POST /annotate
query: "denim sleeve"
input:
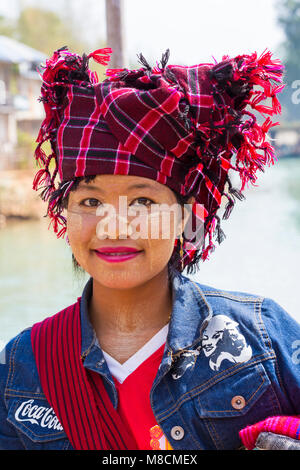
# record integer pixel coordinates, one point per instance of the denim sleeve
(9, 439)
(284, 333)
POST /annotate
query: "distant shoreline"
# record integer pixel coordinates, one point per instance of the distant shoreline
(18, 201)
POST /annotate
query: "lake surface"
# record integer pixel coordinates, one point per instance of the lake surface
(260, 255)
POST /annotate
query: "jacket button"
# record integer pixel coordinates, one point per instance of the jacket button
(238, 402)
(177, 433)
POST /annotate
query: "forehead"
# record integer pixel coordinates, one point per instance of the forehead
(123, 184)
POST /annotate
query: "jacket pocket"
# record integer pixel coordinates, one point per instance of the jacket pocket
(36, 424)
(236, 401)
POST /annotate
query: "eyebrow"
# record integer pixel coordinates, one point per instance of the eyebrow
(91, 187)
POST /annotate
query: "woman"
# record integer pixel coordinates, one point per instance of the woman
(146, 358)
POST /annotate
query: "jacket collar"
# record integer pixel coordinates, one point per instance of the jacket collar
(88, 334)
(190, 314)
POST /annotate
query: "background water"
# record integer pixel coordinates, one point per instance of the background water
(260, 255)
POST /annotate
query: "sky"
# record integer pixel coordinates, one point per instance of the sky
(195, 31)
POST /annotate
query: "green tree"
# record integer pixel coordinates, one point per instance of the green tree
(43, 30)
(289, 19)
(7, 27)
(46, 31)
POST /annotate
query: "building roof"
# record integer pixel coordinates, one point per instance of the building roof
(16, 52)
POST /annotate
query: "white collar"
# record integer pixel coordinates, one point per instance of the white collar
(122, 371)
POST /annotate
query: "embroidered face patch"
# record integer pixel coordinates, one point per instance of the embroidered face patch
(222, 341)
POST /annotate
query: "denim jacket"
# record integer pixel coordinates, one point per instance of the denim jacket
(231, 359)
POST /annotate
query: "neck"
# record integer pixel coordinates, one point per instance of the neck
(125, 319)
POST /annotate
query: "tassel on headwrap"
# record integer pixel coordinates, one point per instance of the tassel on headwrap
(62, 70)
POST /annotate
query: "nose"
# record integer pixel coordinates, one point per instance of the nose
(114, 226)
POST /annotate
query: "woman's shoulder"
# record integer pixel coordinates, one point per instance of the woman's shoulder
(264, 308)
(16, 359)
(18, 352)
(18, 344)
(212, 291)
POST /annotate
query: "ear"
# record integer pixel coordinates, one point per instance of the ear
(185, 215)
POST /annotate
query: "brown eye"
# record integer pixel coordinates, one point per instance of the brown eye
(92, 202)
(143, 199)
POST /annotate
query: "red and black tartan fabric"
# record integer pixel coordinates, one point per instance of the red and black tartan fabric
(182, 126)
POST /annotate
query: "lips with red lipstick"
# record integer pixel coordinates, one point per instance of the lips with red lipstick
(117, 253)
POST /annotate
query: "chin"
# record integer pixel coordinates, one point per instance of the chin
(125, 278)
(118, 279)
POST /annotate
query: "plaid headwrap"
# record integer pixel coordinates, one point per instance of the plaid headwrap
(182, 126)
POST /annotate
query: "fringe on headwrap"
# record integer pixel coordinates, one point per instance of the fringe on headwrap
(240, 79)
(61, 70)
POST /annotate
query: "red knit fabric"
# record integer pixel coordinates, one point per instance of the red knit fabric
(284, 425)
(78, 398)
(134, 399)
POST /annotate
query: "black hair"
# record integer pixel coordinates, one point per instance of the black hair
(174, 264)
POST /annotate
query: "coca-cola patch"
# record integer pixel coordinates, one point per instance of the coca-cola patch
(43, 416)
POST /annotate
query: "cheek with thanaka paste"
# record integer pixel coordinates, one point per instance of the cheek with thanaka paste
(160, 243)
(79, 230)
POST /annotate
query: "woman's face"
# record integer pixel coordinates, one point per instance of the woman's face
(147, 217)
